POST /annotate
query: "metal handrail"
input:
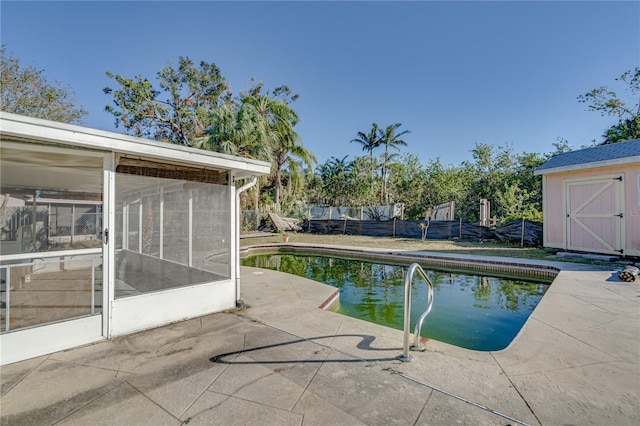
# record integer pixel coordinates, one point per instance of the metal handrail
(405, 357)
(39, 260)
(49, 254)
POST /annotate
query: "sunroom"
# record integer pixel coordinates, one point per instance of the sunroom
(103, 234)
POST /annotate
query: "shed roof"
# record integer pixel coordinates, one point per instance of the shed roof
(21, 128)
(597, 156)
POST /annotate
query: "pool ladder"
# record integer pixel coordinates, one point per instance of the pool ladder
(405, 357)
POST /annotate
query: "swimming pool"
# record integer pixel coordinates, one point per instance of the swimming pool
(472, 310)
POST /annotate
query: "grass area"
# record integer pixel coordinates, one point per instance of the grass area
(485, 248)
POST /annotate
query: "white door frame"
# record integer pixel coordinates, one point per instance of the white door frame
(143, 311)
(572, 213)
(48, 338)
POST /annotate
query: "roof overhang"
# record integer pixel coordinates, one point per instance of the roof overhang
(21, 128)
(591, 165)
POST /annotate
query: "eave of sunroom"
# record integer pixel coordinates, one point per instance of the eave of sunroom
(21, 128)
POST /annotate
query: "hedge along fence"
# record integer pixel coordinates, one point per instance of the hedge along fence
(524, 232)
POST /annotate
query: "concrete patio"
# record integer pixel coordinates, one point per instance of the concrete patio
(285, 361)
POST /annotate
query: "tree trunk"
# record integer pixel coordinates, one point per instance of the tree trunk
(384, 176)
(278, 189)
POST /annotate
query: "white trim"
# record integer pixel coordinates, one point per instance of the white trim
(38, 130)
(190, 230)
(46, 339)
(109, 254)
(24, 343)
(140, 218)
(137, 313)
(632, 252)
(565, 216)
(234, 237)
(49, 201)
(46, 148)
(235, 232)
(595, 177)
(161, 222)
(573, 217)
(125, 227)
(590, 165)
(50, 254)
(621, 197)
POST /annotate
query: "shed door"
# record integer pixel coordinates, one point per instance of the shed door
(593, 210)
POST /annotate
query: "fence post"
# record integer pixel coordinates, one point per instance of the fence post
(394, 226)
(73, 222)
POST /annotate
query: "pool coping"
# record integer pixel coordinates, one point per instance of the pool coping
(576, 359)
(498, 266)
(530, 268)
(288, 362)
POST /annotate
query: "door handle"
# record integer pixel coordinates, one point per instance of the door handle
(105, 236)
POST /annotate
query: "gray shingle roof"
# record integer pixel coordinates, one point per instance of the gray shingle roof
(592, 155)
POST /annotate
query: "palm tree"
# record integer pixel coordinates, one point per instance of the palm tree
(390, 139)
(288, 151)
(243, 131)
(291, 155)
(240, 131)
(369, 141)
(262, 128)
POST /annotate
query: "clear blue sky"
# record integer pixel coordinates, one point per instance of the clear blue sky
(453, 73)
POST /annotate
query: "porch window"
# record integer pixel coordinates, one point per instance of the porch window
(170, 233)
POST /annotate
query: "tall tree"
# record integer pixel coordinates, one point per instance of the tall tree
(179, 111)
(607, 102)
(390, 138)
(26, 91)
(290, 156)
(242, 131)
(288, 150)
(410, 185)
(335, 178)
(363, 186)
(261, 127)
(369, 141)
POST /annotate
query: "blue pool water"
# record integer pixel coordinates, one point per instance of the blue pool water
(469, 310)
